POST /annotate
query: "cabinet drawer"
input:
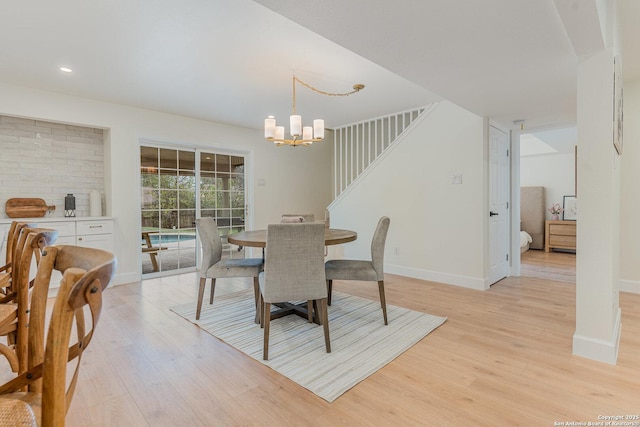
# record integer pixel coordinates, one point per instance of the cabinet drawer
(562, 229)
(94, 227)
(65, 240)
(98, 241)
(64, 228)
(564, 241)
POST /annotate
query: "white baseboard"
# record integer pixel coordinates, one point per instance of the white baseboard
(436, 276)
(121, 279)
(597, 349)
(630, 286)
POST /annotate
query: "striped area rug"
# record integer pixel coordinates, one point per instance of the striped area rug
(360, 342)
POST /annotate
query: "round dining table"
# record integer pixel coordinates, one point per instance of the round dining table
(258, 238)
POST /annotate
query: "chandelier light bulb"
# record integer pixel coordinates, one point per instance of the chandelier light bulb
(307, 133)
(295, 125)
(279, 133)
(318, 128)
(270, 127)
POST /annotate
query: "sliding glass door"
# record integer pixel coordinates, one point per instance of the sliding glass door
(222, 195)
(168, 207)
(176, 183)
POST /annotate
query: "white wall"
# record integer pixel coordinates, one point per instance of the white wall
(50, 160)
(437, 229)
(296, 179)
(555, 172)
(630, 199)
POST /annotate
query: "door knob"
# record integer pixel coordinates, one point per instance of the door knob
(492, 213)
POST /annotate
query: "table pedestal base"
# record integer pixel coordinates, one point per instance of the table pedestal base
(288, 308)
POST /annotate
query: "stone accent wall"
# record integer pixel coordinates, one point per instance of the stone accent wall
(49, 160)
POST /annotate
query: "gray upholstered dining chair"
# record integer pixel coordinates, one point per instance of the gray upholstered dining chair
(288, 218)
(214, 267)
(347, 269)
(294, 271)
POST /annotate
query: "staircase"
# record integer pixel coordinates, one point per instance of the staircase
(359, 146)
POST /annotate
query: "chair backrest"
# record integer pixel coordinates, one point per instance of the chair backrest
(211, 242)
(86, 273)
(377, 246)
(31, 243)
(294, 264)
(11, 233)
(15, 322)
(289, 218)
(12, 238)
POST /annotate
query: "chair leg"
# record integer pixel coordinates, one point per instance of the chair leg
(213, 289)
(309, 311)
(203, 281)
(256, 294)
(316, 314)
(266, 308)
(329, 289)
(383, 301)
(260, 310)
(324, 315)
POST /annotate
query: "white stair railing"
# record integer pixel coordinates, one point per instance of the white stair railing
(358, 145)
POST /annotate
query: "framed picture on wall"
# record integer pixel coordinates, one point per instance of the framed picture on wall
(570, 206)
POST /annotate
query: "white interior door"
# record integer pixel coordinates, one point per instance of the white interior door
(498, 204)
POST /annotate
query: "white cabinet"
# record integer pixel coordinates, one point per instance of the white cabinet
(66, 231)
(90, 233)
(95, 234)
(86, 233)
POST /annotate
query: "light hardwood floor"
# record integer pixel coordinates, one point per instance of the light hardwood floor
(503, 358)
(554, 265)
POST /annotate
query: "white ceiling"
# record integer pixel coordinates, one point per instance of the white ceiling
(549, 142)
(232, 60)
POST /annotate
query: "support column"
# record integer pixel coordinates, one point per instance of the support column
(598, 324)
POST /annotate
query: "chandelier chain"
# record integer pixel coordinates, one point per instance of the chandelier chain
(356, 88)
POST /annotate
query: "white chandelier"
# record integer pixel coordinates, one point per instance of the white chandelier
(300, 135)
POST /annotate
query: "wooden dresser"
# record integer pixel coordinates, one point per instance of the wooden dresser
(559, 235)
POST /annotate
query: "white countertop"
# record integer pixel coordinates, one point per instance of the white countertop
(55, 219)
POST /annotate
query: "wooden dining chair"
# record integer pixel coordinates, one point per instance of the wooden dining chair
(15, 310)
(294, 271)
(363, 270)
(214, 267)
(11, 245)
(49, 387)
(5, 270)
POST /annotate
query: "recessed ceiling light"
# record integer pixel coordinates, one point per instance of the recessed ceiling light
(66, 69)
